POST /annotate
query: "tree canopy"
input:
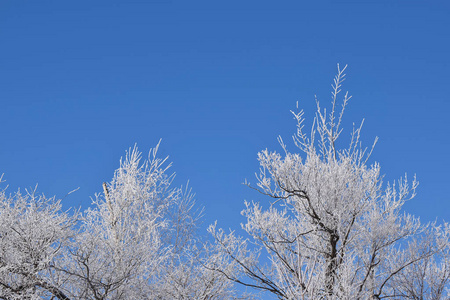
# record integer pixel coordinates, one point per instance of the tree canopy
(329, 228)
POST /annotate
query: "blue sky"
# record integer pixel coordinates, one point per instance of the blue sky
(82, 81)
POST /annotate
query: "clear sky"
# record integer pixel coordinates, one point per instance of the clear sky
(82, 81)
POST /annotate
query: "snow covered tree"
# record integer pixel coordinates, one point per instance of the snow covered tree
(139, 240)
(33, 233)
(333, 230)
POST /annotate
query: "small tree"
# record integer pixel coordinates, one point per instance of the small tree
(333, 230)
(33, 234)
(139, 240)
